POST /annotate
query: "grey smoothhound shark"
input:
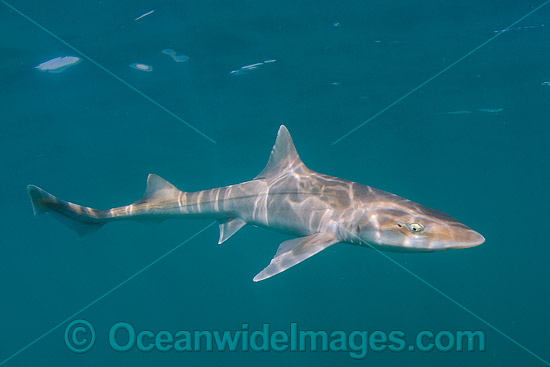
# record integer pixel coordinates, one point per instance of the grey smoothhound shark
(287, 197)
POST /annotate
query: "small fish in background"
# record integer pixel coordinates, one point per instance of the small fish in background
(58, 64)
(146, 14)
(490, 110)
(336, 24)
(250, 67)
(174, 56)
(460, 112)
(141, 67)
(467, 112)
(545, 84)
(519, 28)
(393, 42)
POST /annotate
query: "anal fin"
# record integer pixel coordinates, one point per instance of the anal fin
(295, 251)
(229, 228)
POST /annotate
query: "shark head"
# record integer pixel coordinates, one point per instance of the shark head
(392, 222)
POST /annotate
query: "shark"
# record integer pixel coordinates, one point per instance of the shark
(288, 197)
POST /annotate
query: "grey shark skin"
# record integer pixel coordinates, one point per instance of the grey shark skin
(287, 197)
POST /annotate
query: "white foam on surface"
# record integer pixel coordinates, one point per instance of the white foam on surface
(58, 64)
(250, 67)
(141, 67)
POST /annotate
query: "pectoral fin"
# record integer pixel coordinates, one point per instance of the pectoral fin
(294, 251)
(229, 228)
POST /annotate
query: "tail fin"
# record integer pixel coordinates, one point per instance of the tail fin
(82, 219)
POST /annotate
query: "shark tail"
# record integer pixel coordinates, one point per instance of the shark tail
(85, 220)
(82, 219)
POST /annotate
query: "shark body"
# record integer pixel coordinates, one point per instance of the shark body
(287, 197)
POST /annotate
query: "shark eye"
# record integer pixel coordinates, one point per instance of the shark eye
(415, 227)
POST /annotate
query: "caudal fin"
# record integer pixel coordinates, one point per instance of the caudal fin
(82, 219)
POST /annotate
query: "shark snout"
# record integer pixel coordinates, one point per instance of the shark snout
(475, 239)
(467, 238)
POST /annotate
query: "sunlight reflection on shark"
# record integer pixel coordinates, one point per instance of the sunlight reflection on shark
(287, 197)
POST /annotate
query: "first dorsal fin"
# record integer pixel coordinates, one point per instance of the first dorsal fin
(284, 156)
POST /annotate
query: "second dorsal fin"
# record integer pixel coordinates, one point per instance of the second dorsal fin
(158, 189)
(284, 156)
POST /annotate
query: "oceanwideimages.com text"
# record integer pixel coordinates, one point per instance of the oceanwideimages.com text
(123, 337)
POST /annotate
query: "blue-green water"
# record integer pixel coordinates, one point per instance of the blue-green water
(88, 138)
